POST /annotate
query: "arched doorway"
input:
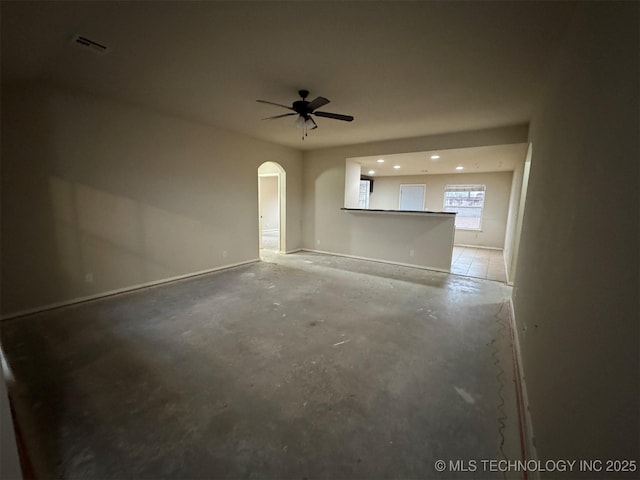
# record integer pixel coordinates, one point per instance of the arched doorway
(272, 207)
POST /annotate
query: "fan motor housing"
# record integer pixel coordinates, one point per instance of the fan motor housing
(301, 107)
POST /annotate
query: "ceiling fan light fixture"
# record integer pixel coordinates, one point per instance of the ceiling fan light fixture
(305, 109)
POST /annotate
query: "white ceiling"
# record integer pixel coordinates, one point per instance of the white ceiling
(495, 158)
(403, 69)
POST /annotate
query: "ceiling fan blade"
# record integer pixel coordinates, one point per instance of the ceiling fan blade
(335, 116)
(315, 125)
(276, 104)
(317, 103)
(280, 116)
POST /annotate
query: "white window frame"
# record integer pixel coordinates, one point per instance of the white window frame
(367, 197)
(470, 187)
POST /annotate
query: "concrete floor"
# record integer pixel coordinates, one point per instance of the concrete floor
(300, 366)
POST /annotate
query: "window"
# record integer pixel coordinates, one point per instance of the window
(365, 188)
(467, 201)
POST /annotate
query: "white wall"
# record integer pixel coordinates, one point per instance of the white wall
(99, 196)
(327, 228)
(576, 287)
(386, 192)
(352, 184)
(517, 208)
(512, 217)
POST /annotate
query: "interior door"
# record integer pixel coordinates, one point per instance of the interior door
(412, 197)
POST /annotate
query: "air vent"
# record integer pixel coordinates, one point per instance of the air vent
(86, 44)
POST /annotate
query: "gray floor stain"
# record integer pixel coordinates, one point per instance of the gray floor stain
(355, 370)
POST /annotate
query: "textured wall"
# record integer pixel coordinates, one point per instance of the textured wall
(99, 196)
(576, 286)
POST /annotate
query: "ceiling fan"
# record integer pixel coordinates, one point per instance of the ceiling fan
(305, 110)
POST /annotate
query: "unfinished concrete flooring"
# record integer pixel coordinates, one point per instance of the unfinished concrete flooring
(300, 366)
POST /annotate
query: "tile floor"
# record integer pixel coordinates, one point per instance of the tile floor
(478, 263)
(270, 240)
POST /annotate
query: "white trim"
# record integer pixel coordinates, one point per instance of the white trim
(530, 446)
(259, 213)
(282, 204)
(118, 291)
(506, 270)
(270, 230)
(293, 251)
(421, 267)
(476, 246)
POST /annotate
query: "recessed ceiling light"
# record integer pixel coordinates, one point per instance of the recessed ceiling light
(459, 168)
(435, 157)
(371, 172)
(380, 160)
(396, 167)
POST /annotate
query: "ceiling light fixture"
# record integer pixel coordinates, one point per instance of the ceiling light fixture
(304, 109)
(459, 168)
(435, 157)
(371, 172)
(380, 160)
(306, 123)
(396, 167)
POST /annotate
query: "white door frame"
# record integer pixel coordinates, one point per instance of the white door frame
(281, 173)
(260, 175)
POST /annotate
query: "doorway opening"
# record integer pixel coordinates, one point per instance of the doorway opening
(272, 207)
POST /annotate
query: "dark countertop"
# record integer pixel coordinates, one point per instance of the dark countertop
(403, 212)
